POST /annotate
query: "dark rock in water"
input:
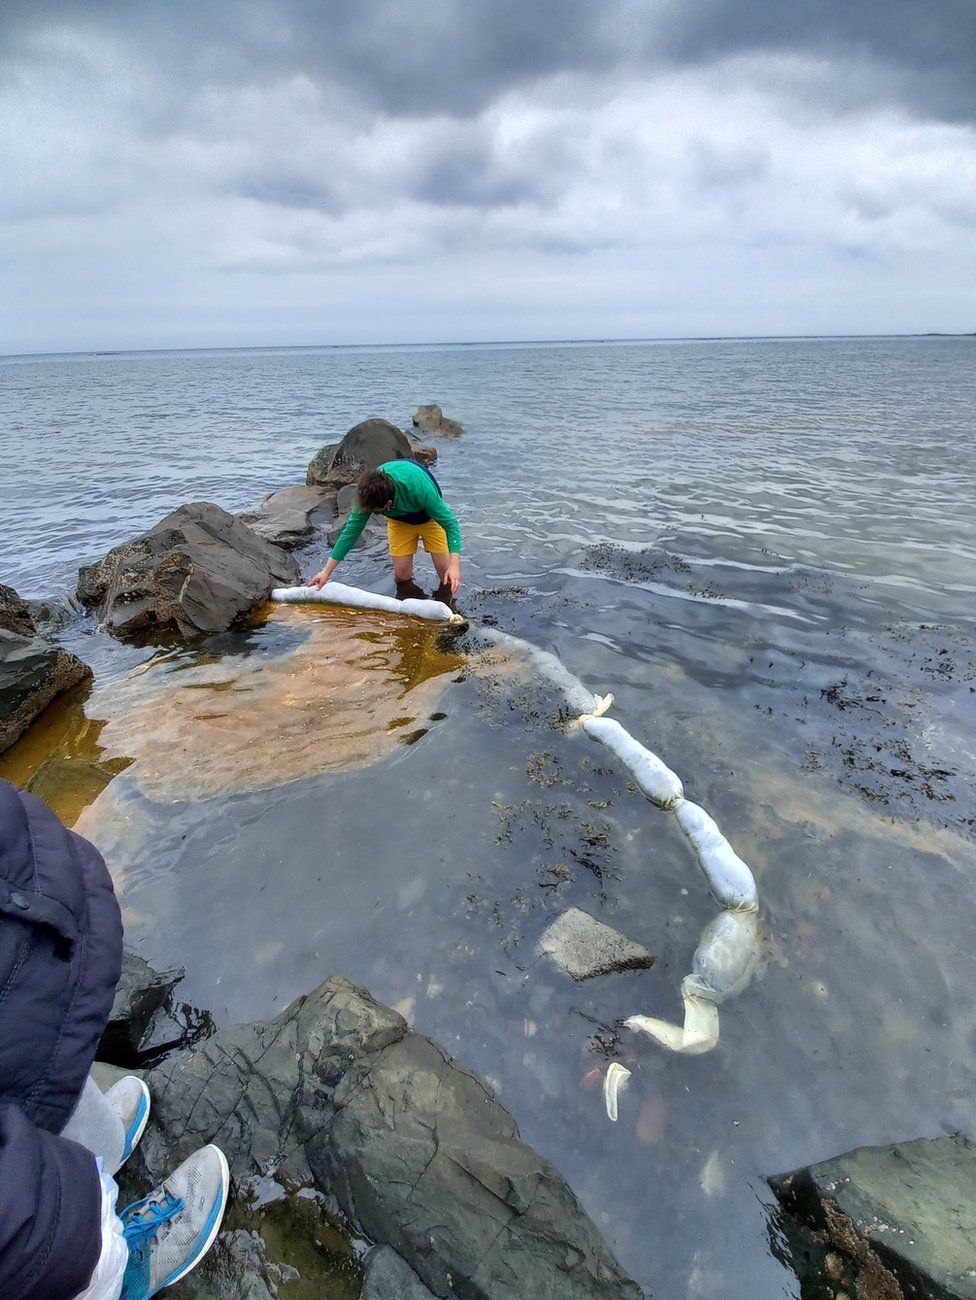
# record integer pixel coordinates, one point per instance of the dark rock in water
(15, 615)
(431, 419)
(291, 516)
(197, 571)
(346, 499)
(890, 1223)
(366, 446)
(412, 1150)
(146, 1022)
(585, 947)
(389, 1278)
(32, 673)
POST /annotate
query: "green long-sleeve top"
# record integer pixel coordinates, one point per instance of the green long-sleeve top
(414, 492)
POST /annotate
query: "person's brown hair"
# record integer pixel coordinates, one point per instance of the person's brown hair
(375, 489)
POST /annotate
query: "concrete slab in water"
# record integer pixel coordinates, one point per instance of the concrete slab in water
(585, 947)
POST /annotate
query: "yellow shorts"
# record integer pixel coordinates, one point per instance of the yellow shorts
(404, 537)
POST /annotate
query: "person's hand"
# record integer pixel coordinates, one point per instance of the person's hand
(320, 579)
(453, 575)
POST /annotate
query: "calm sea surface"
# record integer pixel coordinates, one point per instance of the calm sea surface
(766, 550)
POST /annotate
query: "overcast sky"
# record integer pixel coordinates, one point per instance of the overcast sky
(248, 172)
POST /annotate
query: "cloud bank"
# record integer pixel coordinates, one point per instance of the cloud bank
(299, 172)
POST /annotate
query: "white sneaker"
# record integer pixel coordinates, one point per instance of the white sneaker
(129, 1098)
(171, 1230)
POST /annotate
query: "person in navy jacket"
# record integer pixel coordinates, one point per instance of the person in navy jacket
(61, 1139)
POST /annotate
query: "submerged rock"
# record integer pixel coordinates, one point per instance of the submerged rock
(291, 516)
(32, 673)
(197, 571)
(889, 1222)
(431, 419)
(389, 1278)
(366, 446)
(585, 947)
(412, 1150)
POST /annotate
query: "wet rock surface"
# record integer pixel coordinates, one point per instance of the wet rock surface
(585, 947)
(431, 419)
(197, 571)
(15, 615)
(146, 1020)
(885, 1223)
(338, 1096)
(389, 1278)
(32, 674)
(292, 516)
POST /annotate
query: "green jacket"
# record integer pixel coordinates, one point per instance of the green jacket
(414, 493)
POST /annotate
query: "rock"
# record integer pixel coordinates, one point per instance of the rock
(346, 499)
(389, 1278)
(585, 947)
(412, 1150)
(431, 419)
(68, 785)
(366, 446)
(197, 571)
(141, 1012)
(291, 516)
(32, 673)
(901, 1220)
(424, 455)
(15, 615)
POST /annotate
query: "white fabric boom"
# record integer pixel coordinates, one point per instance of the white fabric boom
(730, 879)
(577, 696)
(654, 777)
(337, 593)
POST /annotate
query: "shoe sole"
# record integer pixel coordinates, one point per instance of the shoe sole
(138, 1126)
(208, 1234)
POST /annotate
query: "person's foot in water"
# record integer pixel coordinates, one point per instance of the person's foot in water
(444, 594)
(409, 591)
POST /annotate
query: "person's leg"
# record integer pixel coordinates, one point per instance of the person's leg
(435, 544)
(109, 1275)
(403, 540)
(96, 1125)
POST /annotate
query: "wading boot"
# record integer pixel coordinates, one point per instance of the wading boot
(445, 595)
(409, 591)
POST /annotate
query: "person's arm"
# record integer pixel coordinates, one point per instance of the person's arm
(346, 540)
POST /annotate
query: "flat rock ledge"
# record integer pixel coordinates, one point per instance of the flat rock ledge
(197, 571)
(885, 1223)
(585, 947)
(337, 1098)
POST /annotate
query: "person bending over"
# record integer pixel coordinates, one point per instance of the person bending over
(61, 1138)
(411, 499)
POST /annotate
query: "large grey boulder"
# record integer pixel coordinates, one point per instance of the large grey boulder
(431, 419)
(366, 446)
(337, 1094)
(894, 1222)
(197, 571)
(291, 516)
(585, 947)
(32, 674)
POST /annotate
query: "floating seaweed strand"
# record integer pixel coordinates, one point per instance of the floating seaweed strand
(727, 952)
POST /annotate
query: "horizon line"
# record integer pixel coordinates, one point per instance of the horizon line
(484, 343)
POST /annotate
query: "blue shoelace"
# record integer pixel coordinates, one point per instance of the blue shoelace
(140, 1223)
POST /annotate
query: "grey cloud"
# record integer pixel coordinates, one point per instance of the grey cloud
(419, 57)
